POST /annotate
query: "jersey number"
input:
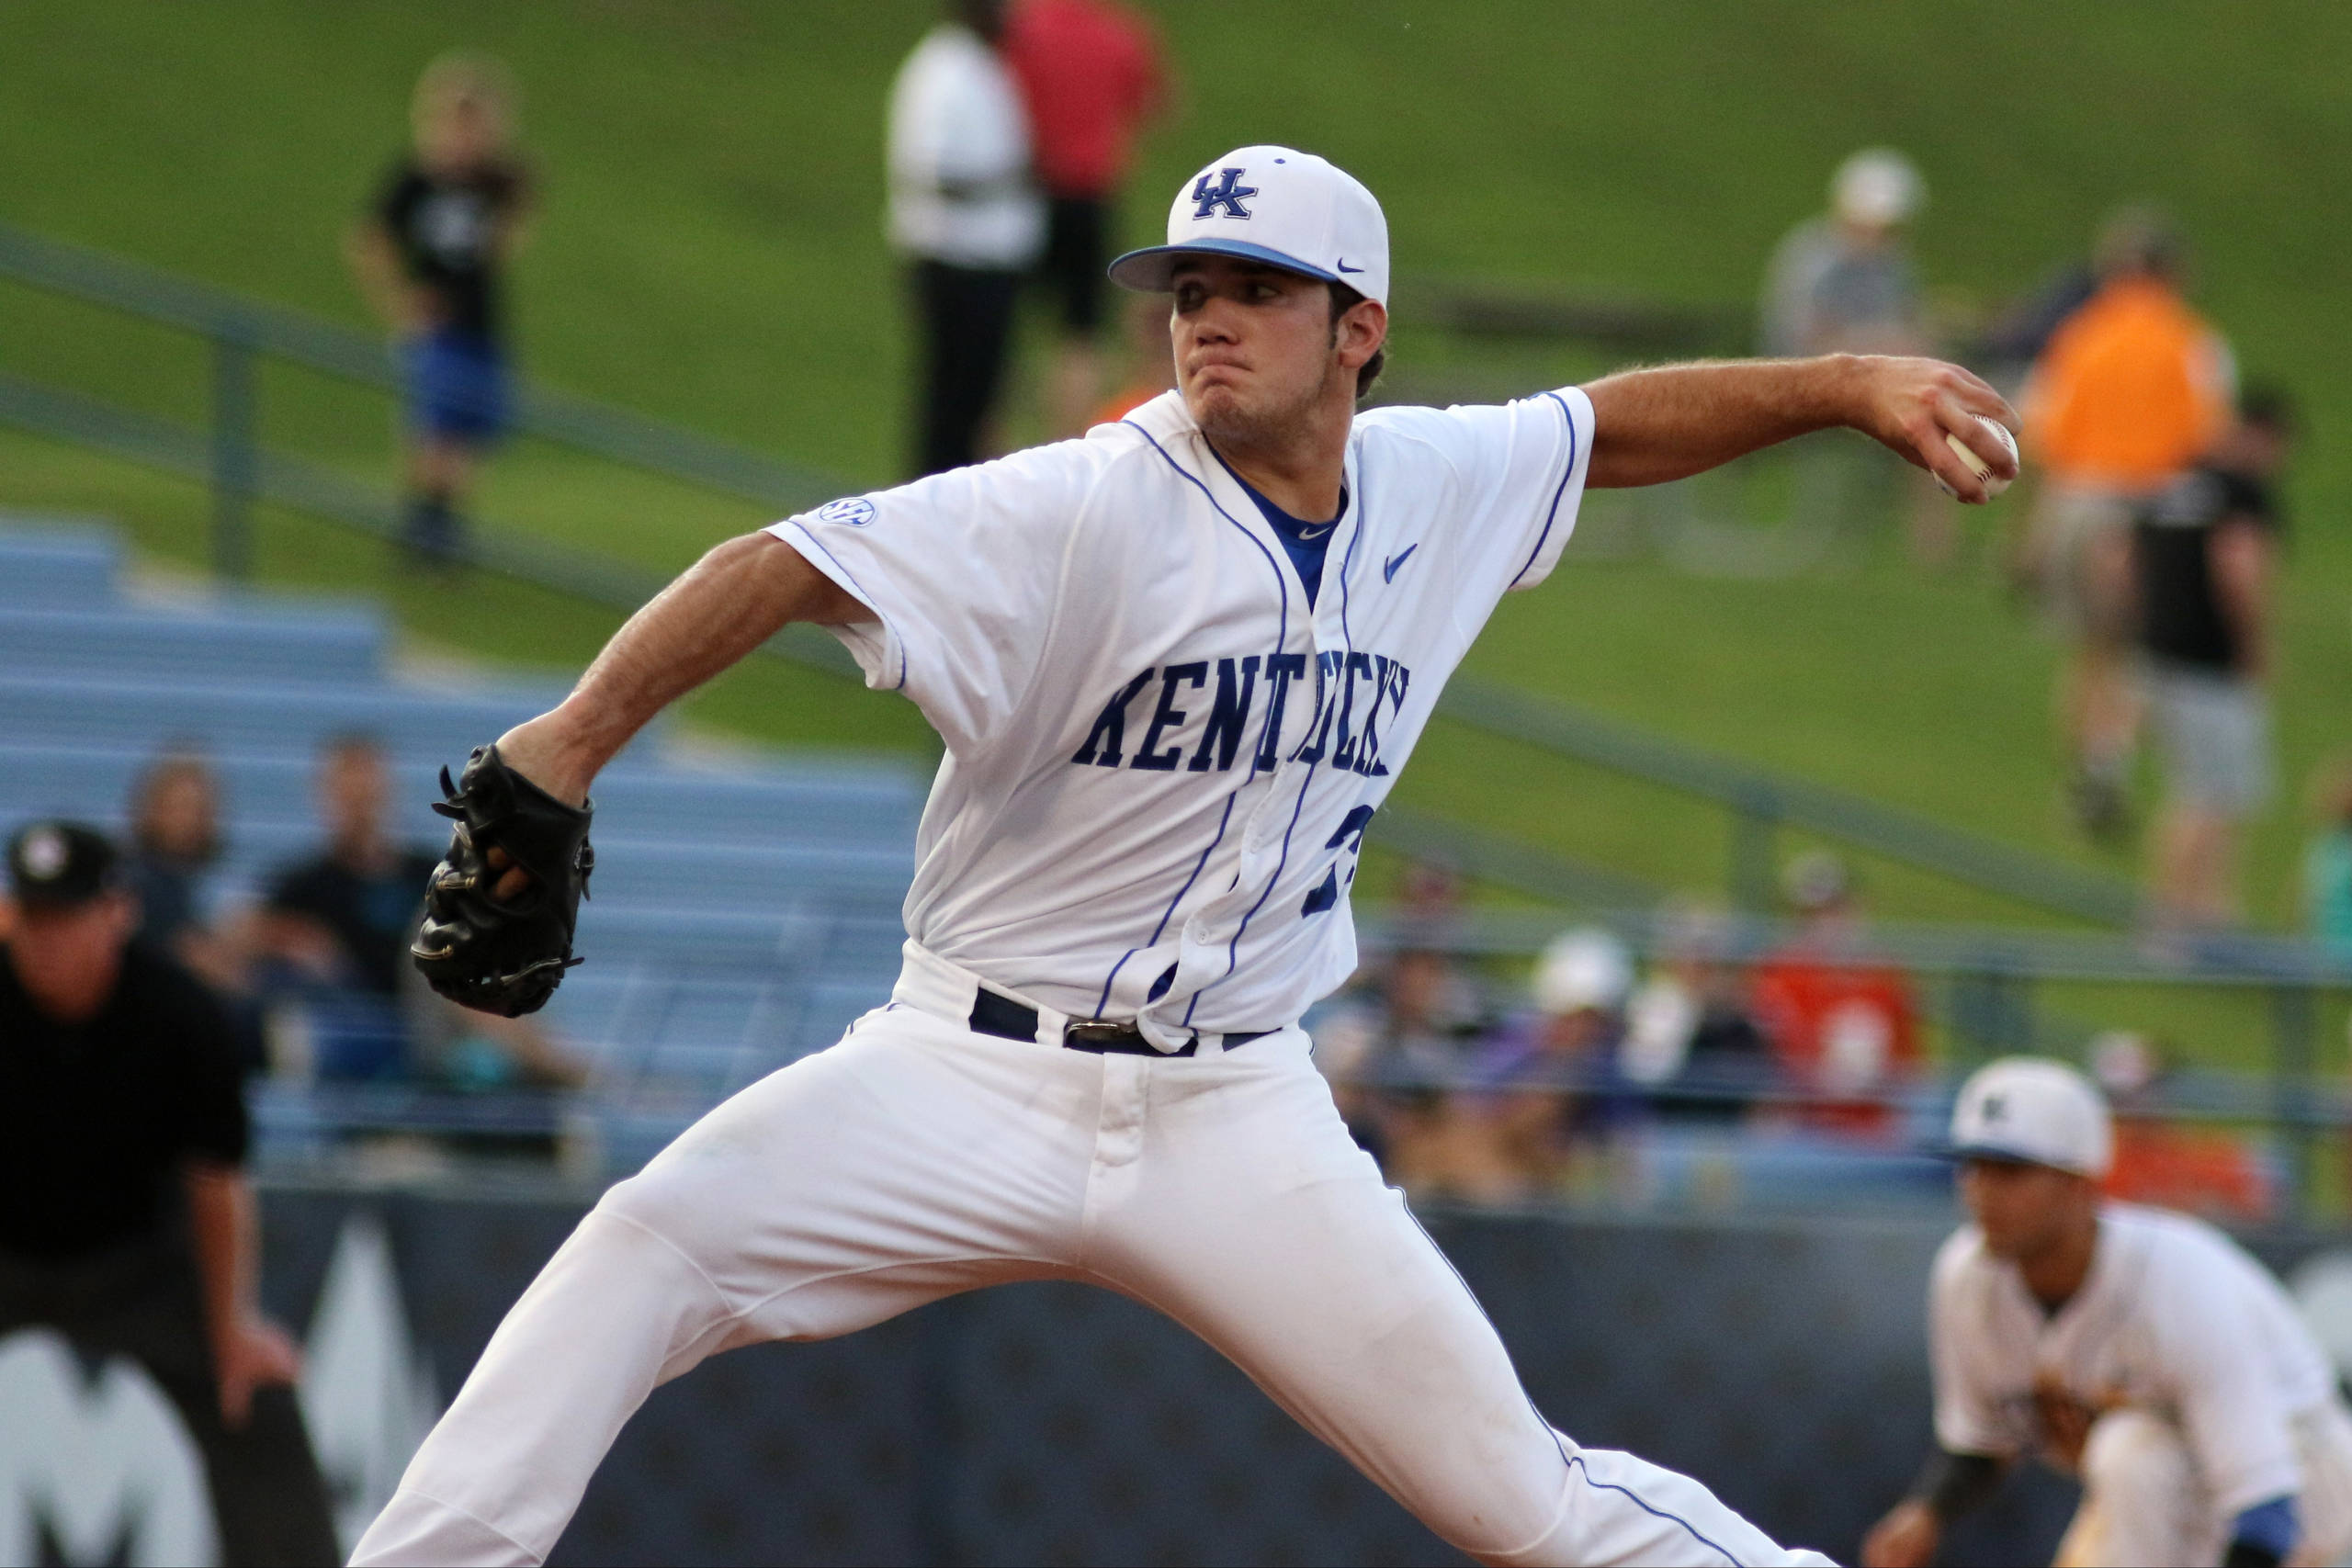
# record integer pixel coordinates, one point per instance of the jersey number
(1349, 839)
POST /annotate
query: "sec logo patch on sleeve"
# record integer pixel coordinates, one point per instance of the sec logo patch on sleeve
(851, 511)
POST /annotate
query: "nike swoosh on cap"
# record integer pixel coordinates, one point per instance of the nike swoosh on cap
(1345, 268)
(1389, 567)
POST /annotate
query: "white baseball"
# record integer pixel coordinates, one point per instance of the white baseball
(1994, 485)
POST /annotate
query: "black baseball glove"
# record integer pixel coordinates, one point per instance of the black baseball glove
(497, 955)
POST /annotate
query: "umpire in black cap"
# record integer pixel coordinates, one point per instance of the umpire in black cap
(127, 1224)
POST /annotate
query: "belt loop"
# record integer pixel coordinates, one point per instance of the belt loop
(945, 989)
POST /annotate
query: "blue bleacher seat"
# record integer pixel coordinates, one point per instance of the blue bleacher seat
(254, 715)
(743, 911)
(56, 566)
(166, 643)
(786, 803)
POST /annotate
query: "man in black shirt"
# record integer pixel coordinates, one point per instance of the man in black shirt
(2205, 548)
(336, 928)
(126, 1221)
(344, 916)
(429, 255)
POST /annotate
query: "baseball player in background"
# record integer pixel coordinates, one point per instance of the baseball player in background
(2140, 1350)
(1177, 665)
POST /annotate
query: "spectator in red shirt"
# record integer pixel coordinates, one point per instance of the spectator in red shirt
(1843, 1026)
(1090, 73)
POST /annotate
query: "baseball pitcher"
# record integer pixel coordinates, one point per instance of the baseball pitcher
(1177, 665)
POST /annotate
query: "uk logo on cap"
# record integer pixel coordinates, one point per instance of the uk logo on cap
(1273, 204)
(1226, 194)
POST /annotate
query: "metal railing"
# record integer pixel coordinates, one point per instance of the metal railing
(1985, 990)
(241, 472)
(1983, 987)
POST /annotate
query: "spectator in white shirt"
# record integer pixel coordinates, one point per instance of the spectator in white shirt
(964, 212)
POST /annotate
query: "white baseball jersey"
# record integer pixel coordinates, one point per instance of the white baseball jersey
(2175, 1319)
(1160, 758)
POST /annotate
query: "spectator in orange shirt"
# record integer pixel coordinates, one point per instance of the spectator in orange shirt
(2132, 388)
(2213, 1175)
(1090, 73)
(1842, 1026)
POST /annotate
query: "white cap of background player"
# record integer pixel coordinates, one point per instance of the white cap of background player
(1276, 205)
(2034, 1110)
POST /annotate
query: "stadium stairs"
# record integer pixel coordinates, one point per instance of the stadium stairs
(743, 913)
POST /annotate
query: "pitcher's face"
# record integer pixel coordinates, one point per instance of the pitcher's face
(1254, 344)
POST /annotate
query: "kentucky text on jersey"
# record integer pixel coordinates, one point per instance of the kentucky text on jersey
(1162, 751)
(1354, 691)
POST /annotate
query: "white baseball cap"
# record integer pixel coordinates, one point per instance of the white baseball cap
(1878, 186)
(1581, 969)
(1276, 205)
(2033, 1109)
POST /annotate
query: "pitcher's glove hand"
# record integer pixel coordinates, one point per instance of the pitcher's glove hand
(504, 955)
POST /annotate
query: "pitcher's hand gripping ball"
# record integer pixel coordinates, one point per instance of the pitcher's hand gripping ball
(1994, 484)
(505, 956)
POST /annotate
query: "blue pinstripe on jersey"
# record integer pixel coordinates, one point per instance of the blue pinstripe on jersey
(1281, 637)
(1565, 474)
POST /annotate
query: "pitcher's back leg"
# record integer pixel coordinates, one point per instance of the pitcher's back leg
(906, 1164)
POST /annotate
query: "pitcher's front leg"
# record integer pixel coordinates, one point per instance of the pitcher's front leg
(1259, 1224)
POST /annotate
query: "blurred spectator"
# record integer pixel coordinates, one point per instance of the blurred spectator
(2133, 388)
(964, 212)
(1152, 359)
(2205, 549)
(338, 926)
(1546, 1093)
(1843, 1026)
(1089, 74)
(2209, 1174)
(1688, 1029)
(126, 1223)
(2022, 330)
(2328, 864)
(1391, 1048)
(175, 841)
(344, 915)
(1843, 283)
(429, 256)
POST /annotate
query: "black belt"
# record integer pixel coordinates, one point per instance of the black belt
(1009, 1020)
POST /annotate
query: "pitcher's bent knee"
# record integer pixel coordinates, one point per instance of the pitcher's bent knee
(689, 1203)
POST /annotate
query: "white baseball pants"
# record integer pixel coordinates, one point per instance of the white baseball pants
(2145, 1500)
(919, 1158)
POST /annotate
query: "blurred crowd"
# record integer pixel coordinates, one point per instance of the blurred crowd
(1465, 1091)
(1476, 1084)
(2147, 533)
(1010, 131)
(310, 966)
